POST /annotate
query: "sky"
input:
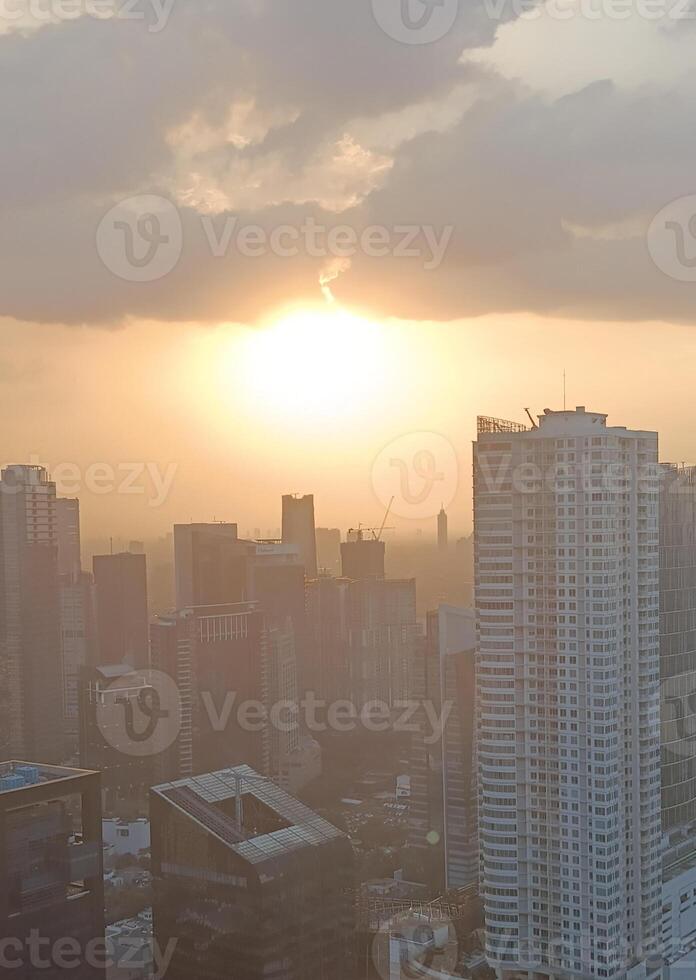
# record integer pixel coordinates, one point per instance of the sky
(279, 245)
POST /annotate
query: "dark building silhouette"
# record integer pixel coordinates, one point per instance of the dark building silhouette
(298, 529)
(442, 537)
(51, 871)
(217, 657)
(328, 614)
(68, 537)
(211, 564)
(362, 557)
(31, 706)
(250, 883)
(120, 588)
(126, 775)
(329, 550)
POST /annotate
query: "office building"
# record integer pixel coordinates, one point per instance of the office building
(383, 631)
(120, 589)
(51, 872)
(362, 557)
(329, 550)
(68, 537)
(77, 625)
(678, 644)
(277, 582)
(443, 808)
(31, 709)
(111, 696)
(217, 656)
(566, 560)
(298, 529)
(210, 564)
(78, 646)
(249, 882)
(328, 609)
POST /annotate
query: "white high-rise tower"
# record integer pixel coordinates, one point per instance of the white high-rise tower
(566, 537)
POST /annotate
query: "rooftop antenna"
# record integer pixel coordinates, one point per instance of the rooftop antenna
(564, 389)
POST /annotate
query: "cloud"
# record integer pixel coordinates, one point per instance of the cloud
(269, 115)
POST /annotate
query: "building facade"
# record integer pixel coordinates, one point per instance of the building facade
(31, 706)
(443, 810)
(120, 589)
(678, 644)
(251, 884)
(566, 561)
(51, 872)
(299, 529)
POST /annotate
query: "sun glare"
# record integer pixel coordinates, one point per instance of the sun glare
(313, 363)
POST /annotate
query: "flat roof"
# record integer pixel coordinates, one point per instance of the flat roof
(197, 797)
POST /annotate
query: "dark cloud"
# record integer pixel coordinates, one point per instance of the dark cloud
(544, 196)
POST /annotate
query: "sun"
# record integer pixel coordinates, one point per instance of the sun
(313, 364)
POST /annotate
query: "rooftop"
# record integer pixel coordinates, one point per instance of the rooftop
(271, 824)
(16, 776)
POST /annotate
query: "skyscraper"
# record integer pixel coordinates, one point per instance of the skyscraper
(120, 585)
(77, 626)
(31, 712)
(68, 537)
(218, 657)
(678, 644)
(329, 550)
(566, 538)
(362, 557)
(442, 815)
(104, 693)
(51, 873)
(249, 882)
(298, 529)
(328, 610)
(442, 539)
(210, 564)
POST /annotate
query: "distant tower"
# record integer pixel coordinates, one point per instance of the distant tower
(442, 530)
(298, 529)
(120, 584)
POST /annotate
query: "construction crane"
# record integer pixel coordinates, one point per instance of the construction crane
(376, 532)
(531, 419)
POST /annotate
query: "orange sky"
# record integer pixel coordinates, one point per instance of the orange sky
(235, 417)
